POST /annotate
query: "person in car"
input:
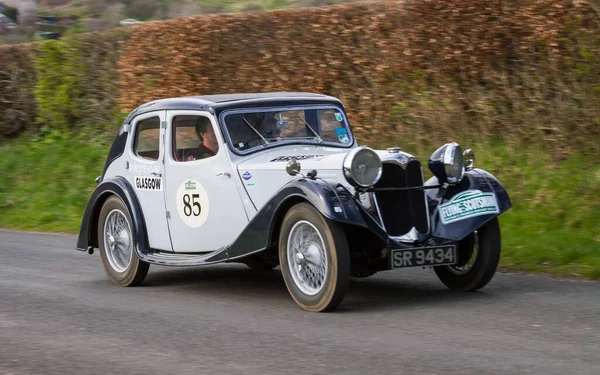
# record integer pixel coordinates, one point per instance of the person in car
(209, 146)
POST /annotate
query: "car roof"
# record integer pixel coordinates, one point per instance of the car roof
(220, 102)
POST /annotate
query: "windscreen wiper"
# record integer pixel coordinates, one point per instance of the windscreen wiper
(256, 131)
(318, 138)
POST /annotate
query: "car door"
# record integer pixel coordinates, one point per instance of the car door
(205, 209)
(144, 171)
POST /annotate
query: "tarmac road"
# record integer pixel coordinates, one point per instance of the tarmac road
(60, 315)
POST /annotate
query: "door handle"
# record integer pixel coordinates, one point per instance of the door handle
(224, 174)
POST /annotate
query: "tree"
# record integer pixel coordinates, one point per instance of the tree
(11, 13)
(142, 9)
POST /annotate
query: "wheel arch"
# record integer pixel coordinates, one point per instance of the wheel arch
(95, 216)
(474, 179)
(280, 212)
(119, 187)
(352, 230)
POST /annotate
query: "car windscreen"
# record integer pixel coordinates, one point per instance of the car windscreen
(250, 129)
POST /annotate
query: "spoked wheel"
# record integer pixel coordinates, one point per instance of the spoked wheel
(314, 259)
(117, 245)
(478, 257)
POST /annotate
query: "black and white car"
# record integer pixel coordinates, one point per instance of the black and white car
(277, 179)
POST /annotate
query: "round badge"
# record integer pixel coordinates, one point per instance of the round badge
(338, 116)
(192, 203)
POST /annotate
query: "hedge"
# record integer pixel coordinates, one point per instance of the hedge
(417, 69)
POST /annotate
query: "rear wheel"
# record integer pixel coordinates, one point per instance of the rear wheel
(117, 245)
(314, 258)
(478, 257)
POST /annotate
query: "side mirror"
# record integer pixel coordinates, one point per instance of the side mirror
(292, 167)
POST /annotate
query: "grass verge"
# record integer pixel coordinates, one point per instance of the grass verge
(46, 183)
(553, 226)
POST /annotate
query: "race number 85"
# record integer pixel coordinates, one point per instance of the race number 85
(190, 205)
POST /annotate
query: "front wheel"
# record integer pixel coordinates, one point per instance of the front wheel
(117, 245)
(478, 257)
(314, 258)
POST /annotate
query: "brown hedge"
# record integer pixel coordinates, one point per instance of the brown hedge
(17, 81)
(416, 69)
(371, 55)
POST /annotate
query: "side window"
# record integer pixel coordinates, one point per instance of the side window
(147, 139)
(193, 138)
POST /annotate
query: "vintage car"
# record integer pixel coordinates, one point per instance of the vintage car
(278, 179)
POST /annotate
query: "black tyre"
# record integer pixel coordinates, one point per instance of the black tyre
(117, 245)
(314, 258)
(478, 257)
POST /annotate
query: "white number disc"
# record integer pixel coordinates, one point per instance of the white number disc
(192, 203)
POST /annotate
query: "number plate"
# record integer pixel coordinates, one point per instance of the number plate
(423, 256)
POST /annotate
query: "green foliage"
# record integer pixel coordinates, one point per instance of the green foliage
(47, 180)
(58, 86)
(76, 88)
(142, 9)
(535, 125)
(553, 226)
(12, 13)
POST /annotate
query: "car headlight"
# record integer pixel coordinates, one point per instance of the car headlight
(446, 163)
(362, 167)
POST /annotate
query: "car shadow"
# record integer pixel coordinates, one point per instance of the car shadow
(380, 292)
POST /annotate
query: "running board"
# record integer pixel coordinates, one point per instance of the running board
(183, 260)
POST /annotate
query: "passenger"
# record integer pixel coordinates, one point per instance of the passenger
(209, 145)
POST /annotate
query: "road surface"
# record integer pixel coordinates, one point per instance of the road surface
(60, 315)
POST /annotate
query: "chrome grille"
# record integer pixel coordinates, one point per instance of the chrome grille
(401, 210)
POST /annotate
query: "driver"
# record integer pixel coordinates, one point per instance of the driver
(209, 146)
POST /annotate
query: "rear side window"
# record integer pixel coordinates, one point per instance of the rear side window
(147, 139)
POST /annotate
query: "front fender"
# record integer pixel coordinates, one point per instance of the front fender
(327, 196)
(465, 207)
(333, 200)
(120, 187)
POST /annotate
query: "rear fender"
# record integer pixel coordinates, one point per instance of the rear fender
(120, 187)
(465, 207)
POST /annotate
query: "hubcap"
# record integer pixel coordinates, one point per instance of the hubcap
(117, 240)
(461, 270)
(306, 257)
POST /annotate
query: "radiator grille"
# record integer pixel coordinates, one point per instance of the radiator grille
(401, 210)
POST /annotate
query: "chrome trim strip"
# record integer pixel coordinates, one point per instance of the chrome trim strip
(190, 260)
(180, 259)
(426, 204)
(382, 224)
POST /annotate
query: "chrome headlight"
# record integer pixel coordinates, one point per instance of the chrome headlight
(362, 167)
(446, 163)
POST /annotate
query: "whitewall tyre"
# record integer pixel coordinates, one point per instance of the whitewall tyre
(314, 258)
(117, 245)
